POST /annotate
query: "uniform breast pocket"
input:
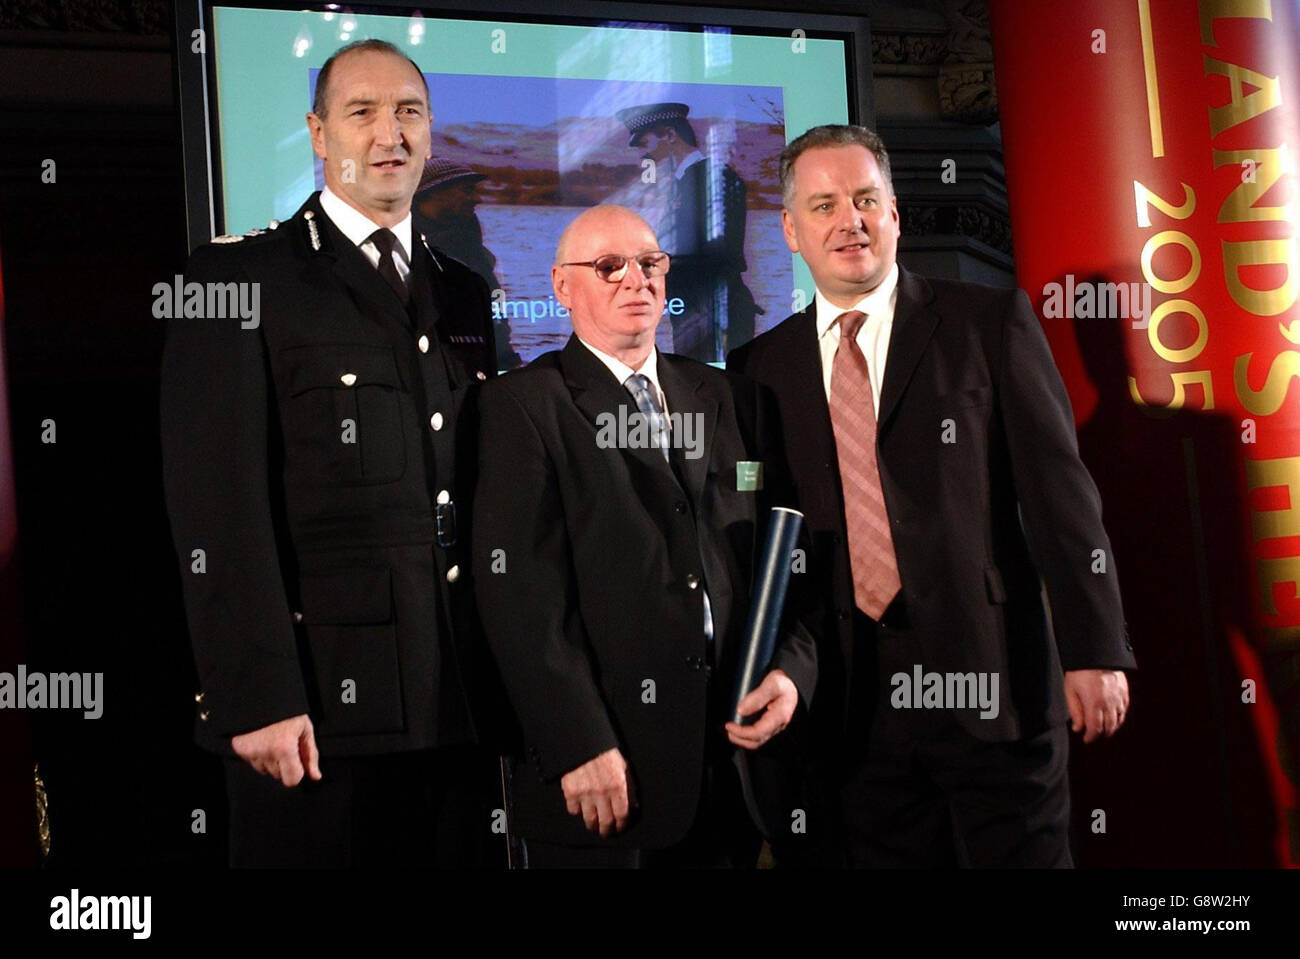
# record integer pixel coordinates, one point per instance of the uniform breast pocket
(343, 415)
(351, 633)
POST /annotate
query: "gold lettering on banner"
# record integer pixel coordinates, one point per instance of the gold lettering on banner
(1212, 10)
(1153, 86)
(1142, 197)
(1269, 399)
(1170, 308)
(1181, 381)
(1149, 251)
(1277, 572)
(1241, 108)
(1271, 164)
(1238, 254)
(1268, 474)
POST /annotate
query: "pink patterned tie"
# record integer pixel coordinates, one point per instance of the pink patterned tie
(853, 417)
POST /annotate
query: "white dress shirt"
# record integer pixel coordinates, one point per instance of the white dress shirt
(649, 369)
(873, 337)
(358, 227)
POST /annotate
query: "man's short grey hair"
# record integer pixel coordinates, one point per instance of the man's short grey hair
(832, 135)
(377, 46)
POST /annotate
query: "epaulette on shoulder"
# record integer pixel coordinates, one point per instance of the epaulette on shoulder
(240, 237)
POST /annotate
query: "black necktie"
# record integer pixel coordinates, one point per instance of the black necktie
(385, 240)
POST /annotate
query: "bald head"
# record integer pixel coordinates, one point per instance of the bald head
(616, 318)
(594, 222)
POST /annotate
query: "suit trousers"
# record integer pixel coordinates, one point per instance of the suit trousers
(430, 808)
(721, 837)
(923, 792)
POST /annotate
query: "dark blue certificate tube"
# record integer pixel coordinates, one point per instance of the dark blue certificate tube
(767, 602)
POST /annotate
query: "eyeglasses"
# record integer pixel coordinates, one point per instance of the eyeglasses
(612, 267)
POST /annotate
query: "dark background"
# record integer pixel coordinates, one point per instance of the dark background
(90, 84)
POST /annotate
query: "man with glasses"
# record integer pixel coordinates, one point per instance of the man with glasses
(613, 544)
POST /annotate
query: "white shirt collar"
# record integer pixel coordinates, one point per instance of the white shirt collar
(879, 301)
(357, 227)
(692, 158)
(649, 369)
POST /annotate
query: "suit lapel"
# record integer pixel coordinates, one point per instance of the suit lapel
(687, 395)
(914, 324)
(804, 365)
(598, 395)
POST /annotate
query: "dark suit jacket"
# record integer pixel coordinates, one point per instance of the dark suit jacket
(600, 555)
(973, 358)
(323, 567)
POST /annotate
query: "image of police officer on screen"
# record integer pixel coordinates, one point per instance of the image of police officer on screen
(704, 230)
(445, 212)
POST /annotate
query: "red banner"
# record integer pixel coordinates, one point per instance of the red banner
(1151, 161)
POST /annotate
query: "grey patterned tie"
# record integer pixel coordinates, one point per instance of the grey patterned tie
(646, 401)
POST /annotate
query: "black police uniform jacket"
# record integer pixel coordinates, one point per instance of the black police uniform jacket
(304, 461)
(590, 565)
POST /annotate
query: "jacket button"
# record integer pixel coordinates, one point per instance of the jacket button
(198, 697)
(481, 375)
(692, 581)
(348, 378)
(203, 716)
(679, 506)
(423, 344)
(435, 421)
(297, 616)
(444, 497)
(453, 574)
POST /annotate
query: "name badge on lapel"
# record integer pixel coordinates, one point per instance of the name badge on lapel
(749, 476)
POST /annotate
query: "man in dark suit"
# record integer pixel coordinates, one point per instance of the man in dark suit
(703, 229)
(319, 462)
(921, 439)
(614, 538)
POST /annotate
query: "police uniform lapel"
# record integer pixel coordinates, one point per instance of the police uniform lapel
(372, 295)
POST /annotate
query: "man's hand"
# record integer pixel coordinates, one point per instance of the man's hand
(281, 750)
(1097, 700)
(778, 693)
(598, 790)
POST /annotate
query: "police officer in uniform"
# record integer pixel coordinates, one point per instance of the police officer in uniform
(318, 466)
(704, 230)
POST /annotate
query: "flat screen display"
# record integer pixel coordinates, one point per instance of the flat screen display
(537, 119)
